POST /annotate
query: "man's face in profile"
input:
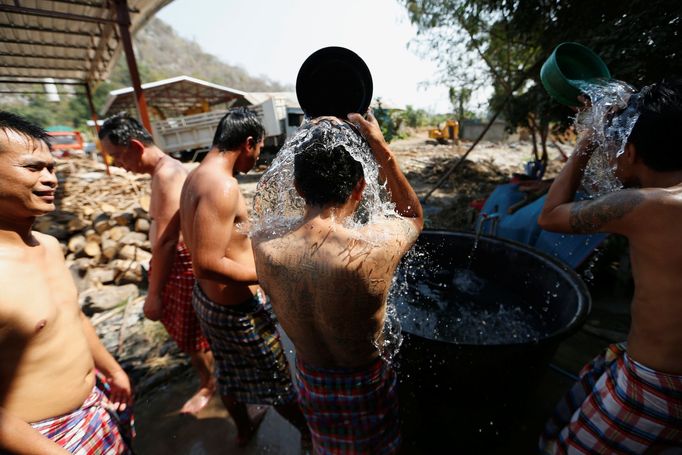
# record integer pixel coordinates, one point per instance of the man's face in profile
(27, 176)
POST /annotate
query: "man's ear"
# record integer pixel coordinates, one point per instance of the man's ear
(250, 143)
(359, 188)
(630, 153)
(136, 146)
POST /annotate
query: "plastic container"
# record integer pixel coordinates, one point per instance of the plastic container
(334, 81)
(569, 66)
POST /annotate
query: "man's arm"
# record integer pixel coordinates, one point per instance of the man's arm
(212, 233)
(166, 236)
(406, 201)
(18, 437)
(608, 213)
(121, 390)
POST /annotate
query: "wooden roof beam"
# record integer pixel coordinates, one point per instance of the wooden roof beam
(54, 14)
(32, 28)
(43, 43)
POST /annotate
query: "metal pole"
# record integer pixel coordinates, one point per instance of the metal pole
(124, 29)
(93, 113)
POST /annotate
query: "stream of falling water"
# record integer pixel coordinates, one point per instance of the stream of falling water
(609, 121)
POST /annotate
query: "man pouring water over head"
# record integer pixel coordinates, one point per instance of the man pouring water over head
(629, 400)
(328, 280)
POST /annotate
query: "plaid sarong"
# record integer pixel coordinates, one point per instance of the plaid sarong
(249, 360)
(617, 406)
(177, 312)
(91, 429)
(350, 410)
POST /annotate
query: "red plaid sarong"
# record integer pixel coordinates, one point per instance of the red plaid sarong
(91, 429)
(618, 406)
(351, 410)
(177, 312)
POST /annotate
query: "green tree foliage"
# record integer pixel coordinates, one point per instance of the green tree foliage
(387, 122)
(503, 43)
(414, 118)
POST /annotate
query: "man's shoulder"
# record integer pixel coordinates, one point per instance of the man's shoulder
(47, 241)
(170, 170)
(392, 229)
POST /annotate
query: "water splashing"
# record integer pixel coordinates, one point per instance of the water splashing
(609, 121)
(278, 208)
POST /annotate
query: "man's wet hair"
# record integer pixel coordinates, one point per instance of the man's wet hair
(122, 128)
(326, 175)
(26, 128)
(655, 132)
(235, 127)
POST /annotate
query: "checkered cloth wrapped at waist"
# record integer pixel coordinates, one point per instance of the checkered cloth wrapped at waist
(177, 312)
(350, 410)
(249, 358)
(91, 429)
(617, 406)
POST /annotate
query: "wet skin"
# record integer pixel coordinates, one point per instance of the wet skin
(328, 284)
(649, 216)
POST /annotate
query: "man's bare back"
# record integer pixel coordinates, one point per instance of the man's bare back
(331, 287)
(329, 283)
(214, 221)
(167, 181)
(41, 334)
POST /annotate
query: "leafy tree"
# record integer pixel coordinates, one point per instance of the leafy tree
(503, 43)
(388, 125)
(414, 117)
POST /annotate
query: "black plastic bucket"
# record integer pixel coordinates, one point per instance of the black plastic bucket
(334, 81)
(462, 395)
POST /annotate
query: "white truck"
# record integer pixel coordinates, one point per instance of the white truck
(189, 137)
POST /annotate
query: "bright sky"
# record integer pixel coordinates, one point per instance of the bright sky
(273, 37)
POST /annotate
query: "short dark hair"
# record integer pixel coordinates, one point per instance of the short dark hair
(655, 132)
(121, 128)
(326, 174)
(235, 127)
(30, 130)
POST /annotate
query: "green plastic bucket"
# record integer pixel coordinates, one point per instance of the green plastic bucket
(569, 65)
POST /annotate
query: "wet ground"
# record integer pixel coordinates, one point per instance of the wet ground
(162, 430)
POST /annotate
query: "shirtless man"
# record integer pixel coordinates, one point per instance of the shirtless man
(233, 311)
(48, 348)
(171, 279)
(629, 400)
(329, 286)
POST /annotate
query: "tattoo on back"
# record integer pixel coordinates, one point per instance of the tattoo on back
(591, 216)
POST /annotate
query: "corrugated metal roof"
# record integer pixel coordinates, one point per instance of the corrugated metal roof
(172, 97)
(67, 40)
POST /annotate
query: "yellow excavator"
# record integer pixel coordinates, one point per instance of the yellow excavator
(449, 132)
